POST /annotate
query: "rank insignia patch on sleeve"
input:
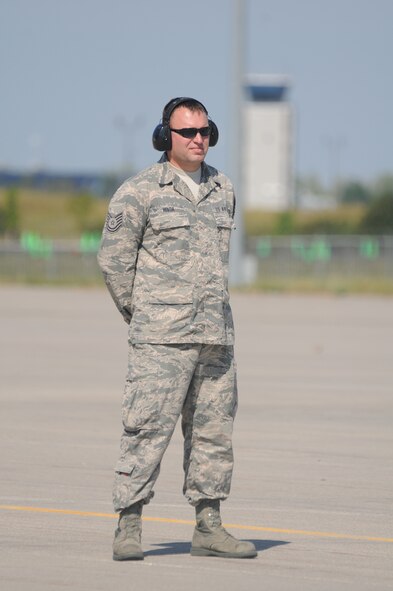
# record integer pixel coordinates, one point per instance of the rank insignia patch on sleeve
(114, 222)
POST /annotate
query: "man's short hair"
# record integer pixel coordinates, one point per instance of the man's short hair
(187, 102)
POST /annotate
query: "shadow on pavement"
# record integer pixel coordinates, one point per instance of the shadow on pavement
(167, 548)
(262, 545)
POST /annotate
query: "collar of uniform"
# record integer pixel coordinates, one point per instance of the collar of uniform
(168, 175)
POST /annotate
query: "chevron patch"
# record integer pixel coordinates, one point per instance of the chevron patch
(114, 222)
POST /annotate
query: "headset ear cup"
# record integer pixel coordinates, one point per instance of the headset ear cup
(213, 138)
(161, 139)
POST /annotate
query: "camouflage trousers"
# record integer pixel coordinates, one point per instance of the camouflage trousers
(164, 382)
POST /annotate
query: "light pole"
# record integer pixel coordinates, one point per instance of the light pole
(236, 274)
(127, 129)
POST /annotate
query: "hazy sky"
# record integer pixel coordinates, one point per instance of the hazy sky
(83, 82)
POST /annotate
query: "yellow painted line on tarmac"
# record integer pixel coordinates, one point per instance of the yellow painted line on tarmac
(301, 532)
(50, 510)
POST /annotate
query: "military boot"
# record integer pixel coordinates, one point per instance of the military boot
(211, 539)
(127, 542)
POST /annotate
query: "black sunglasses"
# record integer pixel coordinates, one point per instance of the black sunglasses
(191, 132)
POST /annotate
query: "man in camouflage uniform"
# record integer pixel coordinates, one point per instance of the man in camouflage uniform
(164, 255)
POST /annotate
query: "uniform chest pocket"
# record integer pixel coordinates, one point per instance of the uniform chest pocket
(172, 235)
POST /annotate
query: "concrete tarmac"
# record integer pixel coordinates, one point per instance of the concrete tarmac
(313, 480)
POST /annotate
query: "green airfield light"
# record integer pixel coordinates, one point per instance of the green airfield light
(369, 248)
(36, 246)
(89, 242)
(264, 247)
(318, 250)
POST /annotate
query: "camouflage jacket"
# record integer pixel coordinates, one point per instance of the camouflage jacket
(164, 256)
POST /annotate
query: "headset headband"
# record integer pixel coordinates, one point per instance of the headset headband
(176, 102)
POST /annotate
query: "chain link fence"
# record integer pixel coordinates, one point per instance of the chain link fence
(33, 259)
(316, 256)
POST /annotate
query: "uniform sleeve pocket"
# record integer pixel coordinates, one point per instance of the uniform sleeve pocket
(225, 224)
(224, 221)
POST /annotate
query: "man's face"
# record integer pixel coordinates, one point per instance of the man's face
(187, 153)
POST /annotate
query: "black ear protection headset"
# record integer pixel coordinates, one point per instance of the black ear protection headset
(162, 139)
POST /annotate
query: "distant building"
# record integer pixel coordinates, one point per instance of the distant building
(99, 184)
(268, 140)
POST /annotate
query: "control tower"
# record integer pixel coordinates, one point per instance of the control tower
(268, 143)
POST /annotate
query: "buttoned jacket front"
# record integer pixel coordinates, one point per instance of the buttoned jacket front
(165, 254)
